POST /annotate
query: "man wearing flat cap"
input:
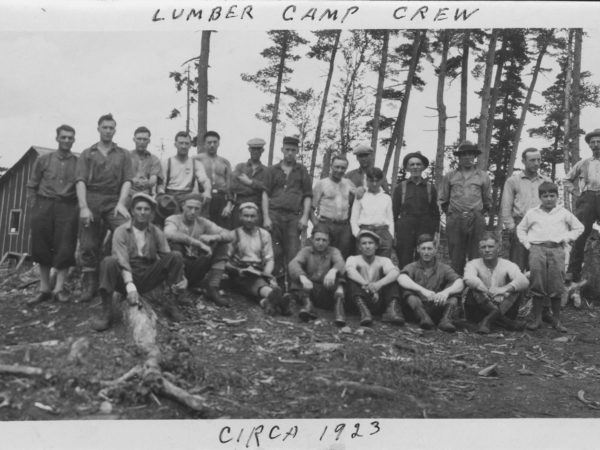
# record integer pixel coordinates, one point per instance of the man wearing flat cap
(465, 195)
(583, 181)
(141, 260)
(415, 208)
(286, 203)
(364, 156)
(248, 180)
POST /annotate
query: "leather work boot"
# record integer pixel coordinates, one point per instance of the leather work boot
(425, 321)
(511, 325)
(170, 308)
(103, 320)
(547, 315)
(212, 292)
(365, 314)
(41, 297)
(446, 323)
(272, 302)
(393, 313)
(338, 309)
(89, 286)
(307, 311)
(284, 302)
(536, 312)
(486, 323)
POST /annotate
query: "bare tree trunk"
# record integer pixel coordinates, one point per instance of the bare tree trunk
(464, 83)
(441, 107)
(187, 102)
(379, 94)
(203, 88)
(280, 69)
(567, 134)
(485, 101)
(326, 162)
(575, 96)
(525, 107)
(313, 158)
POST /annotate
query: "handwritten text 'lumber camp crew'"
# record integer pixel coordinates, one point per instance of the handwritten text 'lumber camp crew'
(296, 13)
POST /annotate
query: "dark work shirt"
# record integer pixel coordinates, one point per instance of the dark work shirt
(104, 174)
(435, 278)
(53, 176)
(251, 193)
(286, 192)
(416, 201)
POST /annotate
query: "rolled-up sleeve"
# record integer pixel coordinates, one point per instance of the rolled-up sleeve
(267, 246)
(82, 170)
(127, 169)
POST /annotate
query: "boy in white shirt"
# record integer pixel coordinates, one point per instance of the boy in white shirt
(544, 231)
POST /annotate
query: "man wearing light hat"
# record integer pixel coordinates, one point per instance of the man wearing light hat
(465, 195)
(583, 181)
(141, 260)
(364, 156)
(247, 181)
(415, 208)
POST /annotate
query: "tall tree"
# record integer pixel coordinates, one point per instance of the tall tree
(567, 106)
(444, 38)
(203, 88)
(278, 69)
(575, 95)
(384, 36)
(485, 100)
(464, 83)
(300, 112)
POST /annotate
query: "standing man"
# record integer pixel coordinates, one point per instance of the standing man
(519, 196)
(103, 178)
(286, 203)
(54, 214)
(248, 180)
(465, 196)
(146, 166)
(332, 198)
(364, 156)
(415, 208)
(182, 175)
(218, 170)
(583, 181)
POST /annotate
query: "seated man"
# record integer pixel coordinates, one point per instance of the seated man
(431, 287)
(495, 285)
(141, 260)
(203, 244)
(315, 277)
(372, 281)
(251, 262)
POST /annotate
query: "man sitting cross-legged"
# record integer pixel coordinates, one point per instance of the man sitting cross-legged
(372, 281)
(495, 284)
(251, 263)
(141, 260)
(204, 246)
(431, 287)
(315, 274)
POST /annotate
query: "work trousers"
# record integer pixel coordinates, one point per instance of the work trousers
(434, 311)
(547, 265)
(196, 267)
(587, 210)
(386, 294)
(285, 237)
(408, 229)
(147, 274)
(340, 234)
(91, 237)
(463, 231)
(320, 296)
(386, 240)
(475, 305)
(518, 253)
(54, 232)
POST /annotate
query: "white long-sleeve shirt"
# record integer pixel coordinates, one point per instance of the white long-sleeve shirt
(556, 225)
(372, 209)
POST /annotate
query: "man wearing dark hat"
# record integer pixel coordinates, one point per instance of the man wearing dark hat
(204, 246)
(247, 181)
(583, 181)
(364, 156)
(141, 260)
(465, 195)
(286, 203)
(415, 208)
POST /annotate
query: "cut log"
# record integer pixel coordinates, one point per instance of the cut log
(21, 370)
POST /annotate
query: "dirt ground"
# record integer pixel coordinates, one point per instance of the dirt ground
(248, 365)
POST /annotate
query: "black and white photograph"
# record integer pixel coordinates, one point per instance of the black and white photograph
(241, 216)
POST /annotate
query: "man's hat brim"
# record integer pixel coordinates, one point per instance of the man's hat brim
(423, 159)
(591, 134)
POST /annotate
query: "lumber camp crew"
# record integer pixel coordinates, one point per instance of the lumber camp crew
(332, 198)
(103, 179)
(181, 174)
(415, 208)
(465, 195)
(146, 166)
(248, 181)
(203, 244)
(372, 285)
(520, 194)
(544, 231)
(366, 161)
(54, 215)
(141, 261)
(431, 288)
(583, 181)
(286, 204)
(373, 211)
(495, 286)
(317, 275)
(251, 262)
(218, 169)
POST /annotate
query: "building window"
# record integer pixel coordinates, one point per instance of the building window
(14, 226)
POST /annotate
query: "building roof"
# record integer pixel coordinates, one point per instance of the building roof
(34, 151)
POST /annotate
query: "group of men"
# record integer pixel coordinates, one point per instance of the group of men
(187, 221)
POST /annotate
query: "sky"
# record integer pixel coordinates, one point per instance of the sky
(50, 78)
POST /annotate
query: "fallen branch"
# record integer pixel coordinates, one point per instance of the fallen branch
(21, 370)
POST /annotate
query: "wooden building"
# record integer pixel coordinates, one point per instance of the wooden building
(14, 217)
